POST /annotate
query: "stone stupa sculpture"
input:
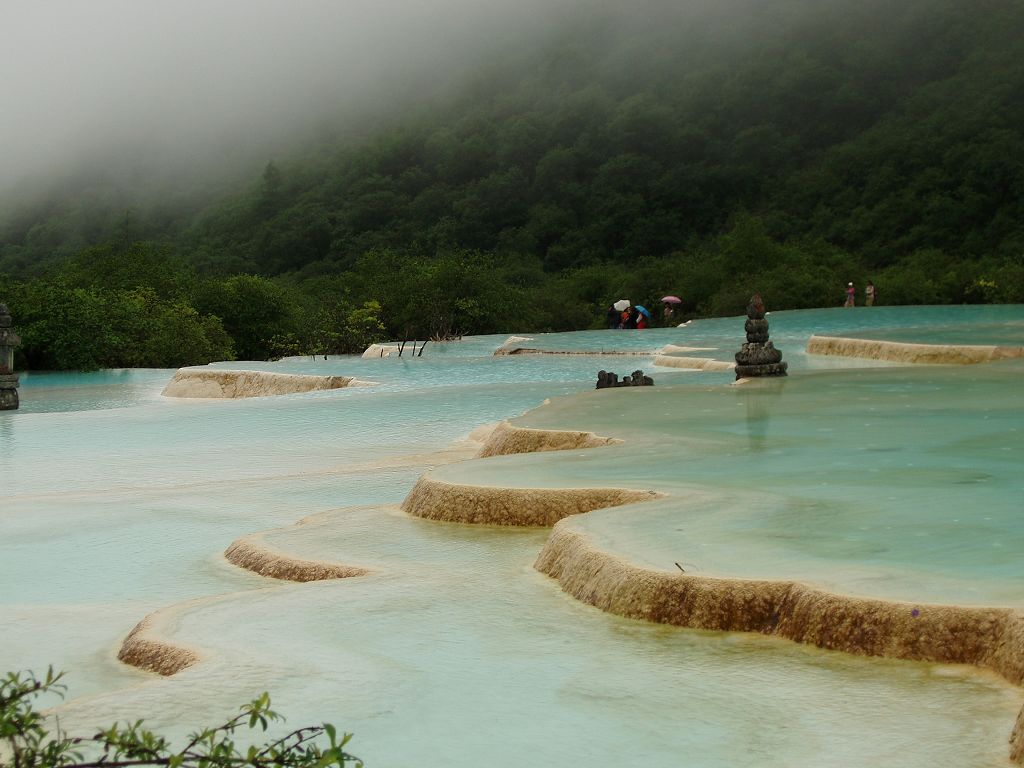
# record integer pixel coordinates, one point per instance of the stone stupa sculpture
(9, 340)
(758, 356)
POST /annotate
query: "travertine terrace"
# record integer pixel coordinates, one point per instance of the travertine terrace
(449, 502)
(986, 637)
(919, 354)
(253, 554)
(693, 363)
(146, 649)
(506, 439)
(205, 383)
(681, 445)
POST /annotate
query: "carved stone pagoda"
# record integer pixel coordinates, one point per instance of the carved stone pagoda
(758, 356)
(8, 380)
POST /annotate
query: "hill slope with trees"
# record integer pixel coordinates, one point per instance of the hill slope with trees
(785, 146)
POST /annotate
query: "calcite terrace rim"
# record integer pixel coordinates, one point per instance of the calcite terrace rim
(507, 439)
(444, 501)
(204, 383)
(144, 648)
(990, 637)
(913, 353)
(694, 363)
(253, 554)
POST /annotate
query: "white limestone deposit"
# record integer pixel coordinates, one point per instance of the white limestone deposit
(693, 363)
(205, 383)
(515, 340)
(380, 350)
(900, 352)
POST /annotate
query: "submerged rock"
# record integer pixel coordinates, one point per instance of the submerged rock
(606, 379)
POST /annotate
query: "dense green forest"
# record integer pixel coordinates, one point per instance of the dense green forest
(783, 146)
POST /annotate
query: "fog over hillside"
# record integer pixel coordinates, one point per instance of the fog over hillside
(475, 167)
(165, 87)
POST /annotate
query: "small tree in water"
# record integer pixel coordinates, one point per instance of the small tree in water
(27, 742)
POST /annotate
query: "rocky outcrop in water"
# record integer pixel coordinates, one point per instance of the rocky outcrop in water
(758, 356)
(607, 379)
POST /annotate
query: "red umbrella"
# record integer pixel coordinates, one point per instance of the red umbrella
(671, 300)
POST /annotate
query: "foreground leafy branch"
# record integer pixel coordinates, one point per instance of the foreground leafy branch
(27, 742)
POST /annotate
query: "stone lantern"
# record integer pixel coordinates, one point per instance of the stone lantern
(8, 380)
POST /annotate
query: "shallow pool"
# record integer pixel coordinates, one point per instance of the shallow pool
(854, 475)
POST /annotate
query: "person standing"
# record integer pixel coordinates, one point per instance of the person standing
(851, 292)
(612, 318)
(869, 294)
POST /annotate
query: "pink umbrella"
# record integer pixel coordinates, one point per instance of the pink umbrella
(671, 300)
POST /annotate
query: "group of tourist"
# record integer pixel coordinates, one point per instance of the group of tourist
(629, 318)
(622, 315)
(636, 317)
(869, 295)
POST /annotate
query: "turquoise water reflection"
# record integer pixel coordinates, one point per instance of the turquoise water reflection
(117, 502)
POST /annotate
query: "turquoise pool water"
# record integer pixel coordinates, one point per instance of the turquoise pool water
(903, 483)
(864, 477)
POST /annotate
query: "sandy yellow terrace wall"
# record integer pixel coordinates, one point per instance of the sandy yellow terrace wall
(989, 637)
(935, 354)
(506, 439)
(253, 554)
(199, 383)
(437, 500)
(693, 363)
(1017, 740)
(143, 649)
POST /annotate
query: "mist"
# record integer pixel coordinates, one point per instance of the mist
(170, 89)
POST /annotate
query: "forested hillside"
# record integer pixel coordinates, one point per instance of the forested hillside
(785, 146)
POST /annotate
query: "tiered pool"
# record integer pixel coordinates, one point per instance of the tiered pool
(859, 477)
